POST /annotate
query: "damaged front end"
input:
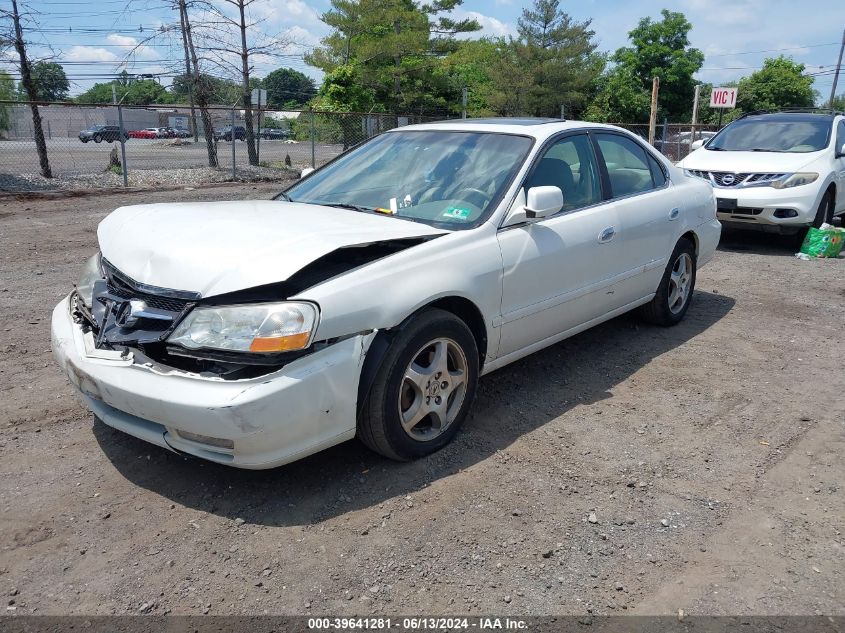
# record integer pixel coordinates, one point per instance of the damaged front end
(142, 321)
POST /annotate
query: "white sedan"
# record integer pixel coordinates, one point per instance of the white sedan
(369, 297)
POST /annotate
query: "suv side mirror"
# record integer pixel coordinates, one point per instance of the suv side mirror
(841, 152)
(305, 172)
(542, 202)
(696, 144)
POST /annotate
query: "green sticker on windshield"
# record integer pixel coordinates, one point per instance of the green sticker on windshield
(456, 213)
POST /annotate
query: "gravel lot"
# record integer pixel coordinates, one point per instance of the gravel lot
(630, 469)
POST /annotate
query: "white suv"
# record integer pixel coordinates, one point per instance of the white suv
(779, 172)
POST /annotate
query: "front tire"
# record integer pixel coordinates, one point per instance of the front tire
(825, 210)
(424, 388)
(98, 138)
(674, 294)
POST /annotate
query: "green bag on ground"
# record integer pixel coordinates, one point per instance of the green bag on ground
(823, 242)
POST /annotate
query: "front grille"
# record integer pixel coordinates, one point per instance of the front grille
(727, 179)
(734, 179)
(154, 301)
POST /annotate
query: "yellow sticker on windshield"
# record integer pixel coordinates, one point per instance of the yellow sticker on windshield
(456, 213)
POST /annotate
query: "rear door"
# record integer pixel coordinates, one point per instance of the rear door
(648, 209)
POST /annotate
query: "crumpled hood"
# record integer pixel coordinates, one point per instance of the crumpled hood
(748, 162)
(218, 247)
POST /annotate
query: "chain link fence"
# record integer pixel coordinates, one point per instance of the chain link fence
(166, 144)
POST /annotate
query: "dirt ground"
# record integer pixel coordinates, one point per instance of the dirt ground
(710, 456)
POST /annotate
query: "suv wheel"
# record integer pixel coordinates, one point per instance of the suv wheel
(423, 389)
(98, 138)
(825, 210)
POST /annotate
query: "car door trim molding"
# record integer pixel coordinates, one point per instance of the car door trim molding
(558, 300)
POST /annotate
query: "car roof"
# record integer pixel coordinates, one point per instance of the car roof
(536, 127)
(789, 116)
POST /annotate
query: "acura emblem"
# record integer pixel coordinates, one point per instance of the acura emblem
(728, 179)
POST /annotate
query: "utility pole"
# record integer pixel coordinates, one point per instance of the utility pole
(31, 93)
(464, 102)
(562, 112)
(694, 113)
(652, 119)
(836, 74)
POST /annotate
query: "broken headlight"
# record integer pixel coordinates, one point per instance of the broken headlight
(91, 274)
(259, 327)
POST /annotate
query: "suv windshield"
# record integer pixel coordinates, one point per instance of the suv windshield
(773, 135)
(441, 178)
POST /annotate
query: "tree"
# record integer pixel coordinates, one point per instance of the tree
(50, 81)
(470, 65)
(396, 47)
(620, 98)
(781, 83)
(7, 93)
(199, 88)
(138, 92)
(288, 88)
(839, 103)
(556, 55)
(25, 67)
(661, 49)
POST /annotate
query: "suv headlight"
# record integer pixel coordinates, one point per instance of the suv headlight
(259, 327)
(91, 274)
(796, 180)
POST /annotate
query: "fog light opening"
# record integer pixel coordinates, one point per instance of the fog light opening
(786, 213)
(205, 439)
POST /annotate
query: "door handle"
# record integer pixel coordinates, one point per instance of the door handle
(606, 235)
(674, 213)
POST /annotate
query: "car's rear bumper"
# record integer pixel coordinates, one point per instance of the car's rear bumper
(308, 405)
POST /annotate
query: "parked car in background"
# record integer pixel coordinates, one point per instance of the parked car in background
(225, 134)
(369, 297)
(273, 133)
(676, 146)
(778, 172)
(100, 133)
(178, 132)
(150, 132)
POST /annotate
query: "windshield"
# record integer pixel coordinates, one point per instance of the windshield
(441, 178)
(761, 135)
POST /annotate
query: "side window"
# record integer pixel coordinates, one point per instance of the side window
(571, 165)
(627, 165)
(657, 173)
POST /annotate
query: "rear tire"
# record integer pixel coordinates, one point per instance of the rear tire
(674, 294)
(424, 388)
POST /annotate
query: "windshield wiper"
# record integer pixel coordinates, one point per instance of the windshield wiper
(284, 196)
(346, 205)
(716, 149)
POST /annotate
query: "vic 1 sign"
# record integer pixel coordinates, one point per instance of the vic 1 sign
(723, 98)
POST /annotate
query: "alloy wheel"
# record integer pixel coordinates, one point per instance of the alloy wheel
(679, 282)
(433, 389)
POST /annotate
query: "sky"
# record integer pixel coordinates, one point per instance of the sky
(91, 37)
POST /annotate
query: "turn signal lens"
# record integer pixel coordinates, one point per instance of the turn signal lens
(281, 343)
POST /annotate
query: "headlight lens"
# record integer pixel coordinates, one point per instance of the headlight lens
(91, 274)
(260, 327)
(796, 180)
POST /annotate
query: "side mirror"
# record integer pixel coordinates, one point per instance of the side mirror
(305, 172)
(696, 145)
(542, 202)
(841, 151)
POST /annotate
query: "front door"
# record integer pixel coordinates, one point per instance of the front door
(557, 271)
